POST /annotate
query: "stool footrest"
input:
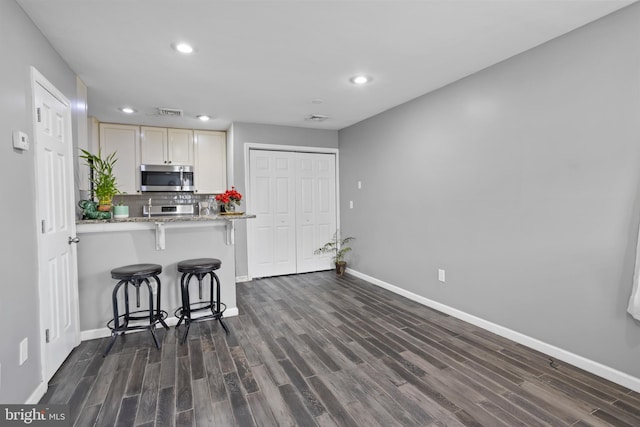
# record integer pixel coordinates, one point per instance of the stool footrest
(124, 321)
(188, 320)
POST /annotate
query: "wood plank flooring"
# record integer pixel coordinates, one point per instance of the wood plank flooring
(319, 350)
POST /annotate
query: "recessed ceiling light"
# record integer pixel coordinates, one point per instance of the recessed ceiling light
(204, 118)
(127, 110)
(183, 48)
(360, 79)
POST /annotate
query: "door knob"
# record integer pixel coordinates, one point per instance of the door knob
(73, 239)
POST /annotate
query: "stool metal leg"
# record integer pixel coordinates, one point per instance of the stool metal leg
(218, 312)
(114, 336)
(151, 314)
(116, 315)
(182, 299)
(186, 305)
(158, 315)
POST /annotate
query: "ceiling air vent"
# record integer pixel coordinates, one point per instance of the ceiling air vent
(317, 117)
(169, 112)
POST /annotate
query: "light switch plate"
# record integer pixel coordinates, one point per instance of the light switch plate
(24, 350)
(20, 140)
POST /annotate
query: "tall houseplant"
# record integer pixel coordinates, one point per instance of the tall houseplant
(102, 177)
(337, 247)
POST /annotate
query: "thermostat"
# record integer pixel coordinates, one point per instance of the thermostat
(20, 140)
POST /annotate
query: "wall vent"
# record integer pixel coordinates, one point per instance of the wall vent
(170, 112)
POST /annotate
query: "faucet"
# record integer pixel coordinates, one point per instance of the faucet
(149, 210)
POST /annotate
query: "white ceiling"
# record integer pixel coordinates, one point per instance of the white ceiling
(265, 61)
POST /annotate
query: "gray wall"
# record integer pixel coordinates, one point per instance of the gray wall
(242, 133)
(23, 46)
(521, 181)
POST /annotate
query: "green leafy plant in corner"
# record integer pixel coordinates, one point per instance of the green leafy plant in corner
(102, 176)
(338, 248)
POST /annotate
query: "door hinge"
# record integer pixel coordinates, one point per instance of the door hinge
(44, 226)
(39, 117)
(46, 336)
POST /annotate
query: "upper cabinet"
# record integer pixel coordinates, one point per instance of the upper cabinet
(134, 145)
(210, 169)
(153, 145)
(180, 147)
(161, 146)
(123, 140)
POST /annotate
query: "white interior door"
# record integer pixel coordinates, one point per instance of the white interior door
(315, 208)
(57, 256)
(273, 251)
(294, 198)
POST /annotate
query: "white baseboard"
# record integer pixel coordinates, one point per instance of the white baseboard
(240, 279)
(92, 334)
(37, 394)
(581, 362)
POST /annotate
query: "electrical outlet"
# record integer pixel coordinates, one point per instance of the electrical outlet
(359, 185)
(24, 350)
(350, 204)
(441, 276)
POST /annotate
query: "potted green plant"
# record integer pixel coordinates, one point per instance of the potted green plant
(337, 247)
(102, 178)
(120, 210)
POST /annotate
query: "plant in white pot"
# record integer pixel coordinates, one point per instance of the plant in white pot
(120, 210)
(337, 247)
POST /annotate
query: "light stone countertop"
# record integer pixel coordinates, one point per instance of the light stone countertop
(155, 219)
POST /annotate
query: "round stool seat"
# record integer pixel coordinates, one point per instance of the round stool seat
(136, 270)
(199, 265)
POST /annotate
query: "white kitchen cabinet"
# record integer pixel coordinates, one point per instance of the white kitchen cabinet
(153, 145)
(180, 147)
(210, 169)
(124, 141)
(162, 146)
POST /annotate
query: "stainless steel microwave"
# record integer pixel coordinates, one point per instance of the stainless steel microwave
(166, 178)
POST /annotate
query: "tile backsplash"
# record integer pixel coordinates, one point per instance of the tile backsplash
(136, 201)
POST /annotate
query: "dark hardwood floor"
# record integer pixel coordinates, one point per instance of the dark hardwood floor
(315, 349)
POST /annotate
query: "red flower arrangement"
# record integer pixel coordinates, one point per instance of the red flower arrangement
(229, 197)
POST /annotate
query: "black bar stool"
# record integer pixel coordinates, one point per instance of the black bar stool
(200, 268)
(135, 275)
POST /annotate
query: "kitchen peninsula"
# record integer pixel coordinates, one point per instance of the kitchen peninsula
(107, 244)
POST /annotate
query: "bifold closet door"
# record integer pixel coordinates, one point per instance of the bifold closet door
(315, 208)
(294, 198)
(272, 248)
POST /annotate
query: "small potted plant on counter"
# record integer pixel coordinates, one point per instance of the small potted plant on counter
(120, 210)
(336, 247)
(102, 177)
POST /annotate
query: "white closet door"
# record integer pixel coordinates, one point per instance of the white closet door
(273, 248)
(315, 208)
(294, 198)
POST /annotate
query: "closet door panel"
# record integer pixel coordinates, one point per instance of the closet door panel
(272, 246)
(316, 215)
